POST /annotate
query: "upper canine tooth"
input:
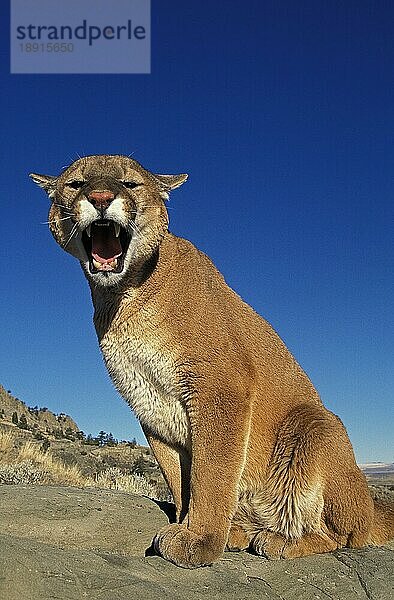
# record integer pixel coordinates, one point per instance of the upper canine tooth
(117, 229)
(88, 230)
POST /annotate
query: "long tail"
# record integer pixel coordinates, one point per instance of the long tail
(383, 523)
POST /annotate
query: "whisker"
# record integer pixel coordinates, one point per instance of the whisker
(135, 228)
(155, 206)
(55, 220)
(73, 232)
(63, 206)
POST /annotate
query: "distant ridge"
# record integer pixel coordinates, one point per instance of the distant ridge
(377, 467)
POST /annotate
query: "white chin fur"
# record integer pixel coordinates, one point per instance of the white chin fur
(103, 278)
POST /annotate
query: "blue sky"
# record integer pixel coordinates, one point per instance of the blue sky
(282, 114)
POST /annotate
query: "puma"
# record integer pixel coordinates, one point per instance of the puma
(252, 457)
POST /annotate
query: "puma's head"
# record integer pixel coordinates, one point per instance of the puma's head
(109, 212)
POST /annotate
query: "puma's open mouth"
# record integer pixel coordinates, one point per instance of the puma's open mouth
(106, 243)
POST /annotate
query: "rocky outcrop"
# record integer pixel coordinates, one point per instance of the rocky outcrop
(13, 410)
(69, 543)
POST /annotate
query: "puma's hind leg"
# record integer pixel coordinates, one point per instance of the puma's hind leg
(274, 545)
(237, 539)
(314, 499)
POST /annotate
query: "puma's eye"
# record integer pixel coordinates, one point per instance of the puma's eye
(130, 184)
(75, 185)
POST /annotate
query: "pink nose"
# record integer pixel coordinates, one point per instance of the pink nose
(101, 199)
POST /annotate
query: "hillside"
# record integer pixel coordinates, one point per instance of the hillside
(13, 410)
(38, 446)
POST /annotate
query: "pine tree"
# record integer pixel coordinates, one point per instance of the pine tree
(101, 438)
(23, 422)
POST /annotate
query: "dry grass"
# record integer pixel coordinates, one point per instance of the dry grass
(55, 470)
(7, 441)
(26, 463)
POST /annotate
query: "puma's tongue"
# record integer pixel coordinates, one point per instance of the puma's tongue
(105, 245)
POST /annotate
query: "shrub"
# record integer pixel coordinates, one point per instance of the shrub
(115, 479)
(24, 472)
(45, 445)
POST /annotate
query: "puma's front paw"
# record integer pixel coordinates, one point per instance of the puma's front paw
(186, 549)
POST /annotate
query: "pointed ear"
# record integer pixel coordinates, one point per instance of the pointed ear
(47, 182)
(170, 182)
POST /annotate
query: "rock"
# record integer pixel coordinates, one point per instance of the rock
(69, 544)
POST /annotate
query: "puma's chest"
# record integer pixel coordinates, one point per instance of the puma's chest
(146, 377)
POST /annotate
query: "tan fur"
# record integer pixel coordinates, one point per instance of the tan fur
(251, 455)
